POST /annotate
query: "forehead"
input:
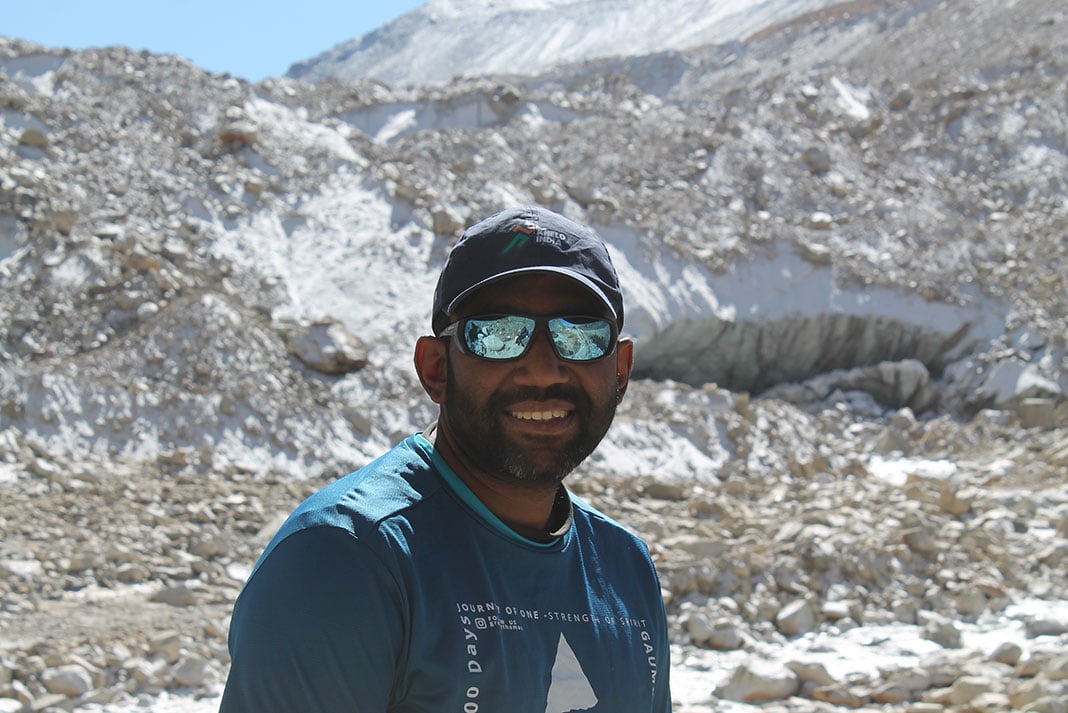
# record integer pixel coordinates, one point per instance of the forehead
(536, 293)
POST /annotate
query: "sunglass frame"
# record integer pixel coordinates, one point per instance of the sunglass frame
(457, 330)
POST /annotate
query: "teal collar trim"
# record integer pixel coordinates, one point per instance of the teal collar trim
(471, 500)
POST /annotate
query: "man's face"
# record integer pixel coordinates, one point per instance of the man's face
(531, 420)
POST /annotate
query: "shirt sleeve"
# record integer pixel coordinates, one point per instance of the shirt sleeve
(318, 628)
(662, 689)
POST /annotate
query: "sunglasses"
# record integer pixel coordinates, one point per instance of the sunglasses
(502, 337)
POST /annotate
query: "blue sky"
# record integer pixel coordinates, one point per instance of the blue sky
(249, 40)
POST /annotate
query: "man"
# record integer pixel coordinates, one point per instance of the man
(456, 573)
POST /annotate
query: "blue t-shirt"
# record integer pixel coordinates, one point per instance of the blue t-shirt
(395, 589)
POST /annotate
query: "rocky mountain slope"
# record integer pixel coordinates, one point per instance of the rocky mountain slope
(445, 39)
(843, 246)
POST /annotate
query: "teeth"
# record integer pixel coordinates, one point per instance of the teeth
(538, 415)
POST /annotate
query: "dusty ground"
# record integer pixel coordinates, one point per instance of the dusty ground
(90, 565)
(128, 570)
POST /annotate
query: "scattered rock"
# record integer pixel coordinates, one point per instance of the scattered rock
(817, 159)
(1037, 413)
(447, 220)
(34, 138)
(1007, 653)
(238, 134)
(820, 221)
(71, 681)
(179, 595)
(756, 683)
(328, 347)
(810, 673)
(967, 689)
(796, 618)
(193, 671)
(943, 632)
(723, 634)
(838, 695)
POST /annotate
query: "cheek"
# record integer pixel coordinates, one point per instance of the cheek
(603, 382)
(474, 379)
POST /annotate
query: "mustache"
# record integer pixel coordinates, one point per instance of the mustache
(562, 392)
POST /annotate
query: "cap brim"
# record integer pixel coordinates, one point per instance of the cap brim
(577, 277)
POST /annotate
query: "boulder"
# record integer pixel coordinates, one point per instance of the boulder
(447, 220)
(34, 138)
(838, 695)
(193, 671)
(329, 347)
(179, 595)
(1007, 653)
(943, 632)
(815, 673)
(796, 618)
(1012, 381)
(756, 683)
(1037, 413)
(721, 634)
(71, 680)
(967, 688)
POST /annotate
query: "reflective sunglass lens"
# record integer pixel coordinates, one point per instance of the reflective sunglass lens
(498, 338)
(581, 339)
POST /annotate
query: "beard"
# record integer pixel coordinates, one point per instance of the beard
(479, 432)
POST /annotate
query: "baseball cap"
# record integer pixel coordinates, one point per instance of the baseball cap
(524, 240)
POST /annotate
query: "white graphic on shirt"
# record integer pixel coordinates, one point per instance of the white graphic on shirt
(570, 689)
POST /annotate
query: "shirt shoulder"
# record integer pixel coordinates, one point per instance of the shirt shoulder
(387, 487)
(604, 526)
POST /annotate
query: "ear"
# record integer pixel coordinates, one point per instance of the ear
(432, 366)
(624, 364)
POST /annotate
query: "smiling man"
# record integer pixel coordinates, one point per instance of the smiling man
(457, 572)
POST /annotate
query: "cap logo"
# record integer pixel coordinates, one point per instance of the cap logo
(523, 231)
(548, 236)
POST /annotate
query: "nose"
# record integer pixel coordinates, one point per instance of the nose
(540, 366)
